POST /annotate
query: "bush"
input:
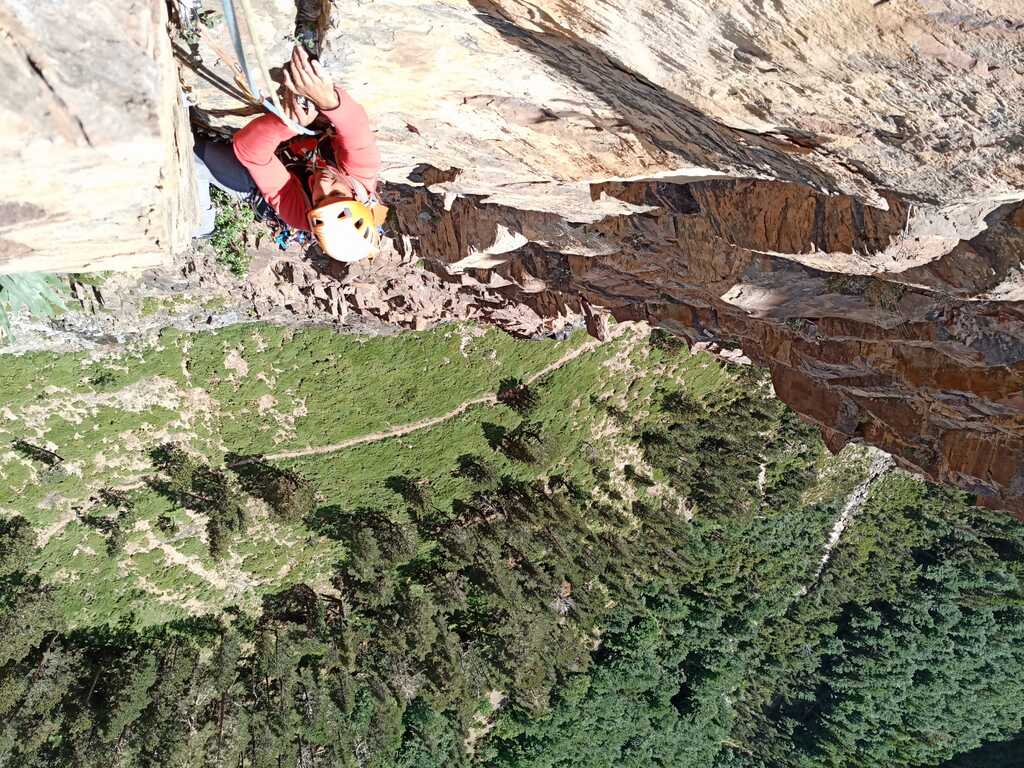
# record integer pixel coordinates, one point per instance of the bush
(517, 395)
(165, 524)
(231, 232)
(103, 379)
(666, 342)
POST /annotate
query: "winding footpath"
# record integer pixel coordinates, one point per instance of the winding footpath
(415, 426)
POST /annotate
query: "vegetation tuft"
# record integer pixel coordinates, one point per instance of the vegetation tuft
(885, 294)
(233, 232)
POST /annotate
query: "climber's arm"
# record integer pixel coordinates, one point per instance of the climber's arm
(254, 147)
(355, 146)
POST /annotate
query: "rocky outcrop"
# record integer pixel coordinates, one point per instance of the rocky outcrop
(94, 143)
(395, 289)
(934, 377)
(890, 316)
(830, 187)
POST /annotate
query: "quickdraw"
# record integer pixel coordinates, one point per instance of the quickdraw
(270, 104)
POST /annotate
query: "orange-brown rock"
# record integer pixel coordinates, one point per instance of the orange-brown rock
(935, 377)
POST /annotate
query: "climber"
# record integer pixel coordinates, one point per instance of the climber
(330, 189)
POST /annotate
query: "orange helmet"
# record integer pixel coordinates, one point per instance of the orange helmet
(346, 229)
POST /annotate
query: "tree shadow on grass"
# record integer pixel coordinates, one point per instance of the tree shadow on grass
(475, 469)
(494, 434)
(415, 493)
(340, 524)
(524, 443)
(36, 453)
(289, 494)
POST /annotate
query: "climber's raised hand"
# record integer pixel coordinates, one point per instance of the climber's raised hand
(297, 111)
(308, 78)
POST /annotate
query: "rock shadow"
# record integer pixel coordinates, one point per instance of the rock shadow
(660, 119)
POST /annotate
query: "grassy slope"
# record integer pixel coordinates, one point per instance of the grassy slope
(573, 401)
(314, 388)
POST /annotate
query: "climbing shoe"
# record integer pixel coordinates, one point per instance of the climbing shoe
(308, 25)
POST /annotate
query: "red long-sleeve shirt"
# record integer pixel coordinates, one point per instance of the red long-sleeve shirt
(355, 150)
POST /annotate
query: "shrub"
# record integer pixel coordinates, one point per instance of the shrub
(666, 341)
(517, 395)
(231, 232)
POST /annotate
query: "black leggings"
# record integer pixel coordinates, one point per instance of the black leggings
(216, 164)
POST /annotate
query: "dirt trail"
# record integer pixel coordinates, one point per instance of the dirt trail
(414, 426)
(43, 537)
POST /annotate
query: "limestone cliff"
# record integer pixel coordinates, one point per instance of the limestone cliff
(95, 149)
(832, 185)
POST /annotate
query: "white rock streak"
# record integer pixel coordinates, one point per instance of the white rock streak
(881, 464)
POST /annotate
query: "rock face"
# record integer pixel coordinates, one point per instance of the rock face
(832, 186)
(925, 363)
(94, 144)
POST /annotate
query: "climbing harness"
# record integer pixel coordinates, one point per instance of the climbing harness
(271, 103)
(304, 156)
